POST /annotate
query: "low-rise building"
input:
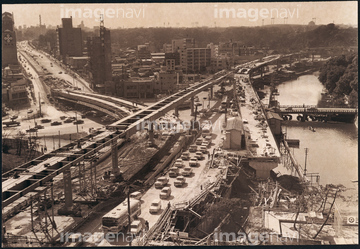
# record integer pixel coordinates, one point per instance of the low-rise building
(234, 134)
(78, 63)
(136, 87)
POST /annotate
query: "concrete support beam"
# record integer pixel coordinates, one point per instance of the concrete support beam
(68, 189)
(151, 133)
(177, 111)
(211, 92)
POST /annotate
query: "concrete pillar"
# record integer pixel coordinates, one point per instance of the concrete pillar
(290, 60)
(277, 65)
(262, 72)
(114, 157)
(177, 111)
(67, 189)
(211, 92)
(312, 57)
(151, 133)
(192, 106)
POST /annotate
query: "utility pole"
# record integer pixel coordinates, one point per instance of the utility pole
(129, 212)
(40, 105)
(306, 152)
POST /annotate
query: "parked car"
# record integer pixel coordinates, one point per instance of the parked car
(179, 163)
(203, 149)
(39, 126)
(180, 181)
(193, 148)
(187, 171)
(45, 120)
(193, 162)
(161, 182)
(174, 171)
(62, 117)
(199, 141)
(155, 206)
(165, 193)
(56, 123)
(185, 156)
(68, 120)
(32, 130)
(199, 155)
(79, 121)
(30, 111)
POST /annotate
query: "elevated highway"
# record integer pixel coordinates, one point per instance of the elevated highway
(27, 177)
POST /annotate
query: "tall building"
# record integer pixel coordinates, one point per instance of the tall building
(180, 46)
(198, 59)
(69, 40)
(9, 51)
(99, 52)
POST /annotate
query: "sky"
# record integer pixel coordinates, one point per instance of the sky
(133, 15)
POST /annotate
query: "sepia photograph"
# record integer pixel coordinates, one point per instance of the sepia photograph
(179, 124)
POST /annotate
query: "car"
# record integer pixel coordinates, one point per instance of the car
(193, 162)
(30, 111)
(60, 72)
(245, 121)
(193, 148)
(155, 206)
(42, 102)
(32, 130)
(45, 120)
(79, 121)
(288, 109)
(203, 149)
(199, 141)
(39, 126)
(56, 123)
(68, 120)
(174, 171)
(185, 156)
(179, 163)
(312, 109)
(165, 193)
(199, 155)
(136, 227)
(179, 181)
(205, 144)
(208, 138)
(62, 117)
(187, 171)
(161, 182)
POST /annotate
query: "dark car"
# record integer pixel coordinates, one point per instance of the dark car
(45, 120)
(39, 127)
(68, 120)
(80, 121)
(56, 123)
(32, 130)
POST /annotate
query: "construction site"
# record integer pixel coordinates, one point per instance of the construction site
(235, 183)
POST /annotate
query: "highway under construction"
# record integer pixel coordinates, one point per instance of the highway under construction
(178, 174)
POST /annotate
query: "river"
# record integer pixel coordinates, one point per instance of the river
(333, 148)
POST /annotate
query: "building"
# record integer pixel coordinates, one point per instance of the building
(8, 45)
(136, 87)
(198, 59)
(229, 48)
(179, 44)
(167, 81)
(70, 41)
(14, 85)
(234, 134)
(214, 50)
(99, 52)
(78, 63)
(167, 48)
(143, 52)
(219, 63)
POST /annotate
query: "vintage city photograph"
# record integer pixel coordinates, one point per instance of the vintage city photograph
(179, 124)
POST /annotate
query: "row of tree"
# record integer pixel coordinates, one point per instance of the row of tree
(340, 77)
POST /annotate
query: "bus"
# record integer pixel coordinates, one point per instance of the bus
(117, 219)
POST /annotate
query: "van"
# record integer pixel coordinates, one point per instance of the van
(136, 227)
(174, 171)
(199, 141)
(193, 148)
(165, 193)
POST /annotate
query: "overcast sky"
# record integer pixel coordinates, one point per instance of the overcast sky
(186, 14)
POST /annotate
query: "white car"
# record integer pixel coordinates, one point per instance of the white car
(155, 206)
(179, 182)
(161, 182)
